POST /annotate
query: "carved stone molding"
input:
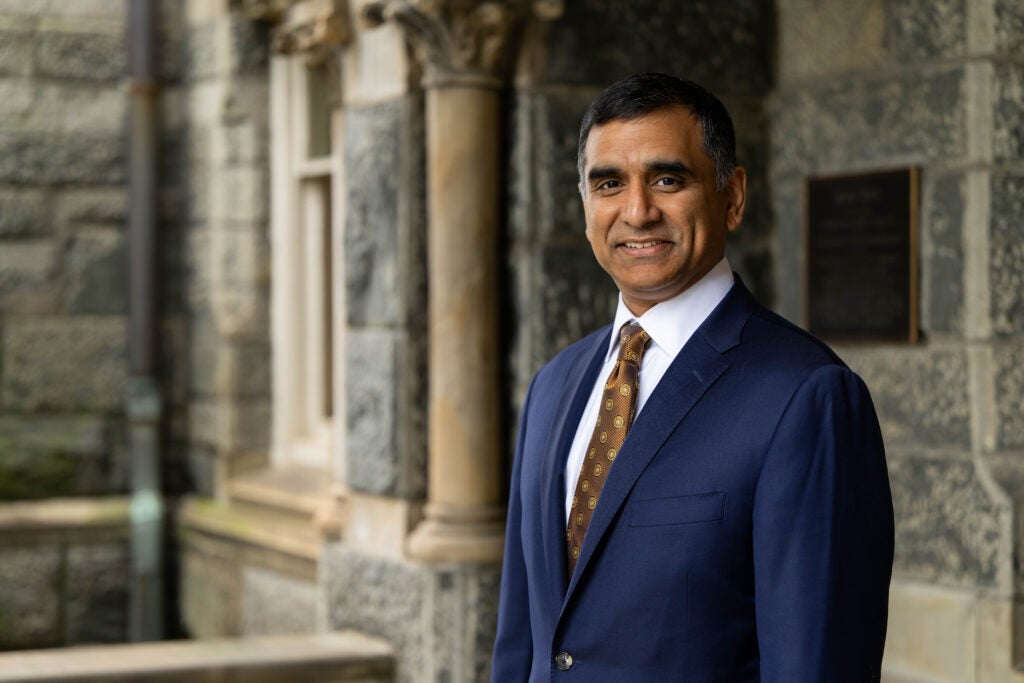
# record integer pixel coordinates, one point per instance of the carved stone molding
(312, 28)
(461, 41)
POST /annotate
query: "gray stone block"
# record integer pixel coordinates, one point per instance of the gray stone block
(92, 206)
(382, 598)
(1006, 255)
(921, 394)
(249, 45)
(576, 296)
(867, 122)
(25, 212)
(1009, 378)
(54, 158)
(15, 53)
(89, 56)
(441, 619)
(1009, 25)
(690, 38)
(942, 254)
(30, 597)
(386, 425)
(1007, 103)
(276, 603)
(200, 52)
(95, 272)
(918, 30)
(948, 529)
(385, 233)
(788, 256)
(71, 363)
(755, 267)
(27, 273)
(49, 456)
(96, 586)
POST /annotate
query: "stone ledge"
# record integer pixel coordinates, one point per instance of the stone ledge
(282, 535)
(64, 515)
(344, 656)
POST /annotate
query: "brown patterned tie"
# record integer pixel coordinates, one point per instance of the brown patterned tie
(613, 421)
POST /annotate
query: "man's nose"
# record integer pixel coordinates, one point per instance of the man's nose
(641, 209)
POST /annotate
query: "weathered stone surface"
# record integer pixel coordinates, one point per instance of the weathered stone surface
(1009, 25)
(386, 437)
(275, 603)
(30, 597)
(1010, 396)
(97, 580)
(575, 294)
(64, 363)
(545, 202)
(50, 158)
(95, 272)
(681, 38)
(1006, 256)
(90, 56)
(1007, 103)
(15, 53)
(210, 589)
(243, 370)
(441, 620)
(754, 264)
(921, 394)
(242, 254)
(947, 526)
(62, 106)
(92, 206)
(925, 29)
(47, 456)
(379, 597)
(942, 254)
(385, 233)
(242, 313)
(821, 38)
(867, 122)
(27, 271)
(200, 52)
(249, 45)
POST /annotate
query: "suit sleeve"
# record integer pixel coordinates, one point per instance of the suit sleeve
(513, 645)
(823, 537)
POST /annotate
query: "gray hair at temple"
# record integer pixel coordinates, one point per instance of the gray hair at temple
(643, 94)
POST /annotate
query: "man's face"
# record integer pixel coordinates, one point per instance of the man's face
(654, 218)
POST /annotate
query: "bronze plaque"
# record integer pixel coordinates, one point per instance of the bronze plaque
(861, 246)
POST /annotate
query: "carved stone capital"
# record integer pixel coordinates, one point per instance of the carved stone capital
(464, 42)
(312, 28)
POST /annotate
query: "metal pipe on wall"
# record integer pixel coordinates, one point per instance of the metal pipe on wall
(143, 403)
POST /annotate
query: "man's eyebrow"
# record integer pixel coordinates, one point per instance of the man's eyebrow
(677, 167)
(602, 172)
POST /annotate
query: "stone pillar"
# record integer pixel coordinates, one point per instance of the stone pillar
(463, 49)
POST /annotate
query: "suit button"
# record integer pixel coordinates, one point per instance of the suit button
(563, 660)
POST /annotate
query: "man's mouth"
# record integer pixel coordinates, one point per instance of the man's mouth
(642, 245)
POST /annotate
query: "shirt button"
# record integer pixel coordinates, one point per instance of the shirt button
(563, 660)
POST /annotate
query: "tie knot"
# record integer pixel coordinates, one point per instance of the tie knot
(632, 342)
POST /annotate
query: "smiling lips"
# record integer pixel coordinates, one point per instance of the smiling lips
(643, 245)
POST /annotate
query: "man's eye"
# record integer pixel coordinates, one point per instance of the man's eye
(667, 182)
(609, 185)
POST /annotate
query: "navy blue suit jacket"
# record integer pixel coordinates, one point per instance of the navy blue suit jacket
(744, 533)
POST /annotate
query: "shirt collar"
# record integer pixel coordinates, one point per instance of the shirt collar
(671, 323)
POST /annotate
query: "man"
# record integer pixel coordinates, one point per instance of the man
(699, 490)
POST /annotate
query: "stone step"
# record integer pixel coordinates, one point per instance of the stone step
(293, 493)
(348, 657)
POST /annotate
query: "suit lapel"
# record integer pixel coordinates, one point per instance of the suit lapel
(697, 366)
(579, 382)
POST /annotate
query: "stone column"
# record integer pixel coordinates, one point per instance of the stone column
(462, 46)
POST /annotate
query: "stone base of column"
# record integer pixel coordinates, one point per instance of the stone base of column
(459, 534)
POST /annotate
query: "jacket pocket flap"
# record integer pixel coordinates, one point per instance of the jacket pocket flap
(699, 507)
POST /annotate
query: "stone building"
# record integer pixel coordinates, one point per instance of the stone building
(340, 182)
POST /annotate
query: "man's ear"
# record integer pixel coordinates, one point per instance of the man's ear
(736, 198)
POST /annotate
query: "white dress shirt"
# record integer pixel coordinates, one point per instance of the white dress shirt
(670, 325)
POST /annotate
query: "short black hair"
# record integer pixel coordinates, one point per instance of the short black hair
(643, 94)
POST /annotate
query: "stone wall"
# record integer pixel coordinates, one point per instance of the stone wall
(214, 242)
(874, 85)
(63, 305)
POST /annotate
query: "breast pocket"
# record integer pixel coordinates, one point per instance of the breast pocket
(691, 509)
